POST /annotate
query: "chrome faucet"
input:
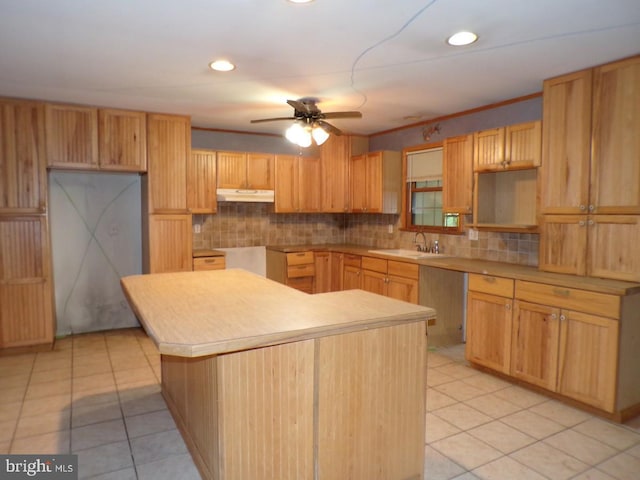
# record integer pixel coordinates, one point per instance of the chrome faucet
(423, 247)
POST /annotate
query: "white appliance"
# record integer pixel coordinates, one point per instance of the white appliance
(253, 259)
(241, 195)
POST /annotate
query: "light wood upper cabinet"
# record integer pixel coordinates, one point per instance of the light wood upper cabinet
(122, 138)
(615, 161)
(594, 245)
(335, 154)
(375, 182)
(72, 136)
(169, 144)
(88, 138)
(243, 170)
(169, 244)
(297, 187)
(566, 144)
(457, 175)
(201, 182)
(513, 147)
(26, 298)
(23, 177)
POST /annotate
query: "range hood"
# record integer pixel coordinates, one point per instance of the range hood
(240, 195)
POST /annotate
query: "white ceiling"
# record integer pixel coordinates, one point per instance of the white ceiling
(386, 58)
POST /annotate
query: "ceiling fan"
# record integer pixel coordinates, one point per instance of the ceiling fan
(307, 116)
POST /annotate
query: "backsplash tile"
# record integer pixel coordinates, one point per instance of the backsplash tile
(252, 224)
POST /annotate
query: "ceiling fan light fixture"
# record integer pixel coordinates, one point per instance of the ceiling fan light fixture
(319, 134)
(461, 39)
(299, 134)
(222, 66)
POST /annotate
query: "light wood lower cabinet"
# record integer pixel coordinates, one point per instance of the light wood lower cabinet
(352, 272)
(295, 269)
(208, 263)
(579, 344)
(393, 279)
(167, 247)
(26, 297)
(322, 280)
(337, 268)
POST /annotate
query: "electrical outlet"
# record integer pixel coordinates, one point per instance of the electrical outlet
(473, 234)
(197, 228)
(390, 228)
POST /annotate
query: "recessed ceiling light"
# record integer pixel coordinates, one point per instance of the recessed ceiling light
(222, 66)
(300, 1)
(462, 38)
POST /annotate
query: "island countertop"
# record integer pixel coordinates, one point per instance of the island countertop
(192, 314)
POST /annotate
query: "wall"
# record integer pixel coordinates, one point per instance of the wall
(247, 224)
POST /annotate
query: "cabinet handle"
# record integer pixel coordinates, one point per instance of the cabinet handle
(489, 279)
(583, 208)
(302, 254)
(591, 223)
(210, 260)
(592, 208)
(562, 318)
(553, 316)
(508, 306)
(561, 292)
(581, 223)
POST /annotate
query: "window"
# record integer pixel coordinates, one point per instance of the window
(423, 191)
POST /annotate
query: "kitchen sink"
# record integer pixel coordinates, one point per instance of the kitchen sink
(400, 252)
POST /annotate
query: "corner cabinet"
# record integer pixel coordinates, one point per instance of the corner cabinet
(26, 298)
(335, 154)
(591, 210)
(296, 184)
(23, 182)
(376, 182)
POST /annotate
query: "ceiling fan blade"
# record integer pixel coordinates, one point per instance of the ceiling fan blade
(329, 128)
(341, 115)
(272, 119)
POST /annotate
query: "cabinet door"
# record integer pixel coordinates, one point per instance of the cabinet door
(613, 247)
(322, 281)
(457, 175)
(352, 278)
(308, 184)
(334, 161)
(201, 182)
(488, 150)
(358, 183)
(23, 177)
(170, 243)
(260, 171)
(566, 144)
(122, 140)
(374, 182)
(615, 161)
(232, 170)
(169, 143)
(522, 145)
(337, 267)
(26, 300)
(374, 282)
(588, 359)
(489, 331)
(563, 244)
(534, 344)
(72, 136)
(402, 288)
(286, 191)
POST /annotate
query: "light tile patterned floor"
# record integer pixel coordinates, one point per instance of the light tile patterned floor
(98, 395)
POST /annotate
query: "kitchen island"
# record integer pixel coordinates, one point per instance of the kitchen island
(268, 382)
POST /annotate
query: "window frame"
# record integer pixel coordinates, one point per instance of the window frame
(405, 211)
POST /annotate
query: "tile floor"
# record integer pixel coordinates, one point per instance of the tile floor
(97, 395)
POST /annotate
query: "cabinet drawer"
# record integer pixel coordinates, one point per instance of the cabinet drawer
(352, 260)
(304, 284)
(374, 264)
(297, 271)
(403, 269)
(299, 258)
(208, 263)
(570, 298)
(502, 287)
